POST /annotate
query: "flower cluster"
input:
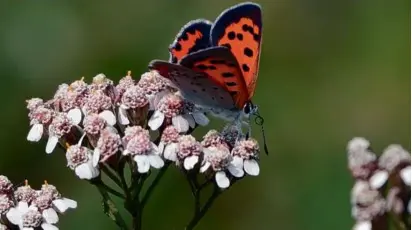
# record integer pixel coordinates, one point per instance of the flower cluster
(383, 184)
(27, 208)
(101, 124)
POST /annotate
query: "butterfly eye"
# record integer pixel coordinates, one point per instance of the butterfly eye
(247, 108)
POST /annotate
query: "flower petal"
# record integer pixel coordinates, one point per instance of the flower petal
(161, 147)
(363, 225)
(70, 203)
(201, 118)
(108, 116)
(405, 174)
(75, 115)
(14, 216)
(221, 179)
(86, 171)
(180, 123)
(236, 171)
(51, 144)
(378, 179)
(143, 164)
(190, 162)
(251, 167)
(23, 207)
(96, 157)
(50, 216)
(122, 116)
(156, 120)
(35, 133)
(237, 161)
(156, 161)
(46, 226)
(170, 152)
(204, 167)
(155, 149)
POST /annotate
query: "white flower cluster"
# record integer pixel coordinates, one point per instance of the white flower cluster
(383, 184)
(30, 209)
(102, 123)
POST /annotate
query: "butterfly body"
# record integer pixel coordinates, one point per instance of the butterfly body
(216, 65)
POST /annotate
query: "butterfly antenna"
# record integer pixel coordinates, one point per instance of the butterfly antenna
(259, 121)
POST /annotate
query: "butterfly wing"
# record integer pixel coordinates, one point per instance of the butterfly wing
(194, 36)
(221, 67)
(240, 29)
(194, 86)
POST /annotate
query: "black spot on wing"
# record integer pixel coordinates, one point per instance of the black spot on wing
(248, 52)
(178, 47)
(239, 36)
(231, 35)
(201, 67)
(227, 75)
(230, 83)
(245, 68)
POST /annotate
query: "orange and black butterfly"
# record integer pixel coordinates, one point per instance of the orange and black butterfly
(216, 65)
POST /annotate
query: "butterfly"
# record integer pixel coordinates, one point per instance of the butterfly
(215, 65)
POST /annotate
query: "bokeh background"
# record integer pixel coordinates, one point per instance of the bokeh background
(330, 70)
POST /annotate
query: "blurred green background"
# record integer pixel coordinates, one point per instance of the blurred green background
(330, 70)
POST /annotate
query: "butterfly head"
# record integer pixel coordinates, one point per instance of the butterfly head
(250, 109)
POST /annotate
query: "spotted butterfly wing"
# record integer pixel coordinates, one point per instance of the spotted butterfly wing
(240, 29)
(197, 86)
(194, 36)
(220, 67)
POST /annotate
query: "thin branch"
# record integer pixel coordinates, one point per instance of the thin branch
(109, 207)
(111, 175)
(198, 216)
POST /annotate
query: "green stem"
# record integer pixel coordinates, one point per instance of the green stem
(111, 175)
(109, 207)
(199, 215)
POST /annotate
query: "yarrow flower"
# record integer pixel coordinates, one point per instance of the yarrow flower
(133, 107)
(372, 197)
(169, 143)
(108, 145)
(138, 145)
(170, 110)
(189, 151)
(245, 155)
(33, 208)
(79, 159)
(104, 127)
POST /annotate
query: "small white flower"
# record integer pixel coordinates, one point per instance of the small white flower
(405, 174)
(141, 149)
(378, 179)
(40, 119)
(169, 143)
(188, 151)
(28, 217)
(98, 102)
(363, 225)
(59, 203)
(79, 159)
(218, 158)
(247, 150)
(169, 110)
(60, 126)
